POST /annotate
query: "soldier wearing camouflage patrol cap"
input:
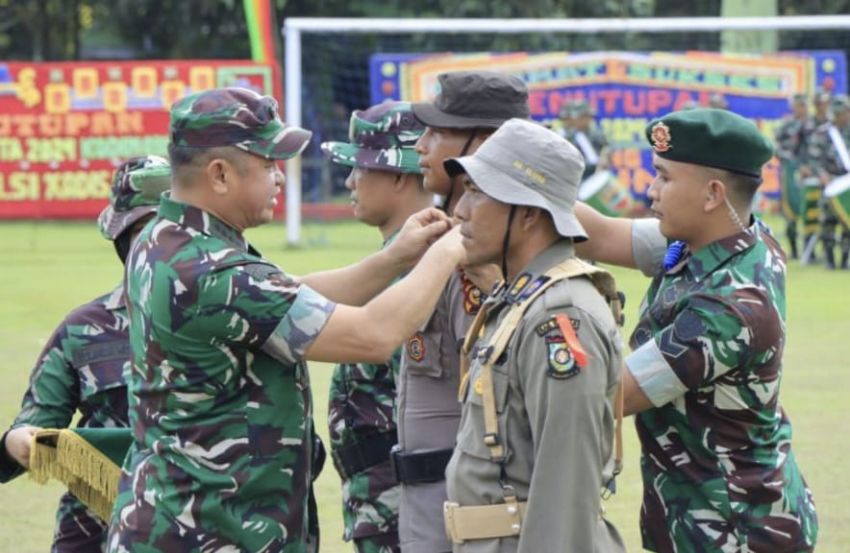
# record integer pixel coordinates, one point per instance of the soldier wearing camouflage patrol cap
(791, 146)
(828, 158)
(589, 138)
(386, 188)
(469, 107)
(541, 360)
(82, 367)
(703, 378)
(219, 394)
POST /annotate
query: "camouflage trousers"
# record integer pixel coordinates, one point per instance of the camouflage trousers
(382, 543)
(829, 224)
(77, 530)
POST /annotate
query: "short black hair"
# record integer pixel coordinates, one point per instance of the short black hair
(742, 188)
(185, 158)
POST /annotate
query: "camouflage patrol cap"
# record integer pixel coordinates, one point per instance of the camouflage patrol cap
(840, 104)
(566, 111)
(136, 188)
(582, 107)
(382, 137)
(822, 97)
(799, 99)
(712, 138)
(235, 117)
(524, 163)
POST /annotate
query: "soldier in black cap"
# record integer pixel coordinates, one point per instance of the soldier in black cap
(470, 106)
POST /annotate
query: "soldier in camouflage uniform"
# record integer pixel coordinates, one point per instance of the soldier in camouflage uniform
(386, 188)
(82, 367)
(469, 107)
(829, 157)
(219, 393)
(586, 135)
(791, 146)
(703, 378)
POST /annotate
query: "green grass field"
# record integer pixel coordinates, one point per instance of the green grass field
(50, 268)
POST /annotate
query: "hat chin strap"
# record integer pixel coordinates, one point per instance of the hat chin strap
(505, 243)
(463, 152)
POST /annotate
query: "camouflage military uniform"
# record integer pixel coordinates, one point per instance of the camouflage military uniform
(362, 407)
(791, 149)
(718, 470)
(362, 411)
(81, 368)
(219, 393)
(823, 155)
(592, 142)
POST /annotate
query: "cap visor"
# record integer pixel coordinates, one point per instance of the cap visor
(288, 143)
(113, 223)
(341, 153)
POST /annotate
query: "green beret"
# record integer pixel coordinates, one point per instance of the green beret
(710, 137)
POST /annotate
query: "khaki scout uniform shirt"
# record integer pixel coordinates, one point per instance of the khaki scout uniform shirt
(428, 410)
(557, 427)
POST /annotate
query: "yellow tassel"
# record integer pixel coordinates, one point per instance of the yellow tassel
(89, 474)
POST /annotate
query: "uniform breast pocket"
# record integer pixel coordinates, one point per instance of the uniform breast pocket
(422, 354)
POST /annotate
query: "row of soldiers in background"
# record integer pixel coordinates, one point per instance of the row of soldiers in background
(578, 126)
(813, 151)
(577, 120)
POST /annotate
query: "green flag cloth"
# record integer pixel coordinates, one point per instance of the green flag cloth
(87, 460)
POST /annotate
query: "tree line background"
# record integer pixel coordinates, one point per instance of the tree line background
(60, 30)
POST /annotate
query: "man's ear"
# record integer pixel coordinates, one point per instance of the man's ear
(400, 181)
(715, 195)
(530, 216)
(219, 175)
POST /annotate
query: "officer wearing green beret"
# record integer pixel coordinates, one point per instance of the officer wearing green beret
(535, 444)
(386, 188)
(703, 376)
(219, 394)
(83, 366)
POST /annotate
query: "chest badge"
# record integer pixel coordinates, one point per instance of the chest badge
(471, 295)
(416, 347)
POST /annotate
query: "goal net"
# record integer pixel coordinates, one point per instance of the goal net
(628, 71)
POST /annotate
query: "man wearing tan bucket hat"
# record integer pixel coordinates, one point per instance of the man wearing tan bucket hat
(541, 362)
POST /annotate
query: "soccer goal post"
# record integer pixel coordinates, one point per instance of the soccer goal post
(327, 67)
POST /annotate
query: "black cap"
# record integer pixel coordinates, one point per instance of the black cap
(475, 99)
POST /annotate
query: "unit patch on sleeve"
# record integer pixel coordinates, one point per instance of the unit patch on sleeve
(562, 362)
(566, 355)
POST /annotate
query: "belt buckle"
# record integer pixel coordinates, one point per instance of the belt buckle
(449, 521)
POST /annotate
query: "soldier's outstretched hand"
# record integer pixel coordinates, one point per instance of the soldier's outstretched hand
(421, 229)
(19, 442)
